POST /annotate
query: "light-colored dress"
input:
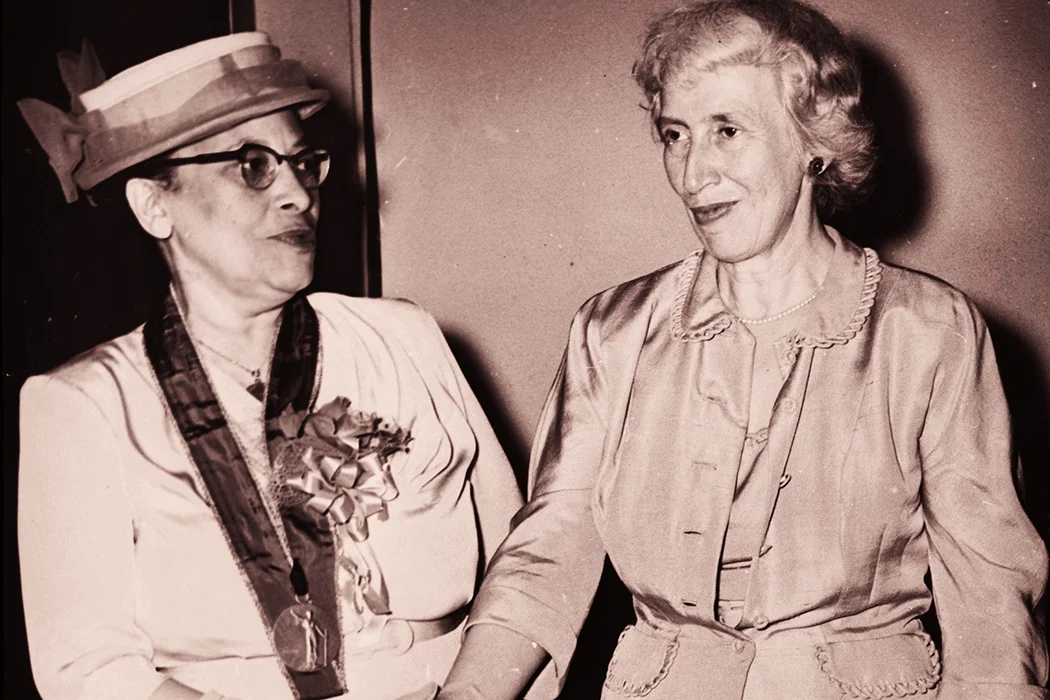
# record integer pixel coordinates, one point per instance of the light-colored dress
(888, 457)
(127, 576)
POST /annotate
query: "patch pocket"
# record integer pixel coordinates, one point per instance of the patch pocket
(640, 662)
(897, 666)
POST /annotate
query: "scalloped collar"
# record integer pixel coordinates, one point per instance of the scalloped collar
(836, 315)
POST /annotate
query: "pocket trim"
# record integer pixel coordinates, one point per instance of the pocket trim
(622, 685)
(921, 685)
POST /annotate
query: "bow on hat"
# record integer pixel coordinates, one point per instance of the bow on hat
(62, 134)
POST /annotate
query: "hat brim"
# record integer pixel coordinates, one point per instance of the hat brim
(305, 101)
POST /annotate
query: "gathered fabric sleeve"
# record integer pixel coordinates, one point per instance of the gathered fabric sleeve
(496, 494)
(76, 551)
(987, 563)
(544, 576)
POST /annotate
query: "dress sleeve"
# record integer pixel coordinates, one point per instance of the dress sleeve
(496, 494)
(76, 551)
(987, 563)
(544, 576)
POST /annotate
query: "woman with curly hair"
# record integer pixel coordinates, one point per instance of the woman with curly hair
(788, 448)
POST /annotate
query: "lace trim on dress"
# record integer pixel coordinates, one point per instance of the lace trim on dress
(891, 689)
(686, 280)
(872, 276)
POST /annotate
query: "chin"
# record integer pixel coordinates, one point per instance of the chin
(721, 245)
(294, 283)
(728, 253)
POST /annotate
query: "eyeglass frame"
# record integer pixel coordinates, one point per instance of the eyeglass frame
(240, 155)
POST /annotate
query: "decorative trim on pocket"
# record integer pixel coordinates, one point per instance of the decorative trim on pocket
(836, 660)
(640, 662)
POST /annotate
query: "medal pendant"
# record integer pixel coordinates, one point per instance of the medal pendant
(257, 389)
(305, 638)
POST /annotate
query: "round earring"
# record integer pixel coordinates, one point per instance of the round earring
(816, 166)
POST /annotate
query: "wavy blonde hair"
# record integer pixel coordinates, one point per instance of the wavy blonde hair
(819, 74)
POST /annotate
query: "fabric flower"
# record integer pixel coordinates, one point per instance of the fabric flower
(336, 461)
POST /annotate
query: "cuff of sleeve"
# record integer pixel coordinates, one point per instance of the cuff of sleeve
(959, 690)
(510, 608)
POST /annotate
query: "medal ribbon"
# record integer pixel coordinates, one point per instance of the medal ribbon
(225, 473)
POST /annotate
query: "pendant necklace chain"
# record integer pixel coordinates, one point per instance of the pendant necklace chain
(258, 387)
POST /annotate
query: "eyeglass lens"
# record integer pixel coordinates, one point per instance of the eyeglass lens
(259, 167)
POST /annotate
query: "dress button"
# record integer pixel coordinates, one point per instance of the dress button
(789, 404)
(761, 622)
(738, 646)
(784, 480)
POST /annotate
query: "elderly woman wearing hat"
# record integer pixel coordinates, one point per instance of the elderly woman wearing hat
(258, 494)
(777, 439)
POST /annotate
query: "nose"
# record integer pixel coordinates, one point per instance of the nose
(701, 168)
(288, 191)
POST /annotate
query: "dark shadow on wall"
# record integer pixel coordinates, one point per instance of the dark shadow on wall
(610, 613)
(339, 264)
(492, 399)
(1024, 381)
(898, 198)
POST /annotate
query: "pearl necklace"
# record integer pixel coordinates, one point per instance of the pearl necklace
(774, 317)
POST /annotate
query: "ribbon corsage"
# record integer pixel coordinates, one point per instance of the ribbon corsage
(336, 461)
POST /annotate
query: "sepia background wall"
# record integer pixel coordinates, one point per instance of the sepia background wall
(518, 175)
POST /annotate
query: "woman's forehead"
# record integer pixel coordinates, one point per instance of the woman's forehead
(279, 130)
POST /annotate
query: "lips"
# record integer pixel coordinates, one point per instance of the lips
(710, 213)
(301, 238)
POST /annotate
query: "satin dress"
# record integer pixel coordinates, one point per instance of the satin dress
(888, 458)
(127, 576)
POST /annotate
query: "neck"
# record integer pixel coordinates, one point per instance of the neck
(241, 330)
(790, 273)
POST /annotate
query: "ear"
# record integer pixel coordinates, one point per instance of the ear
(145, 201)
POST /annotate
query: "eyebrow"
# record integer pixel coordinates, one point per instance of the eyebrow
(719, 118)
(297, 145)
